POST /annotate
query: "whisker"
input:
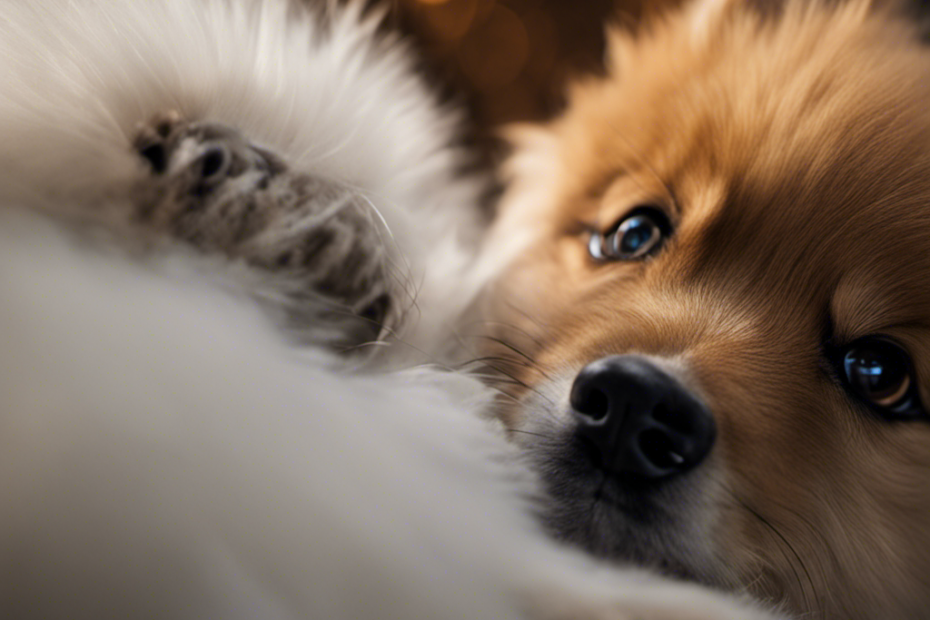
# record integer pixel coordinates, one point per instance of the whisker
(825, 545)
(787, 544)
(498, 358)
(522, 384)
(535, 321)
(518, 431)
(506, 344)
(315, 154)
(373, 209)
(509, 326)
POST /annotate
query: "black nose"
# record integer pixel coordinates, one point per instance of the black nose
(640, 420)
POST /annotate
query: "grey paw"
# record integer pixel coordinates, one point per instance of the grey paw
(209, 186)
(203, 180)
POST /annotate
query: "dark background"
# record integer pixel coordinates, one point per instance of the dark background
(509, 60)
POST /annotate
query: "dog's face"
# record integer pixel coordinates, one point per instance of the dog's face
(716, 315)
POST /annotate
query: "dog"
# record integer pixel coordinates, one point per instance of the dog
(207, 209)
(714, 306)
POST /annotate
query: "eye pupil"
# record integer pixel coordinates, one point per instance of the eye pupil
(638, 235)
(879, 372)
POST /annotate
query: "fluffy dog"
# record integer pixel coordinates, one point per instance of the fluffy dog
(165, 452)
(718, 304)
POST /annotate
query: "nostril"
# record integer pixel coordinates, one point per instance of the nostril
(213, 162)
(659, 450)
(597, 404)
(590, 401)
(673, 419)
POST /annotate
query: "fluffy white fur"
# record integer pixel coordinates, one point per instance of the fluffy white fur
(163, 452)
(331, 97)
(165, 455)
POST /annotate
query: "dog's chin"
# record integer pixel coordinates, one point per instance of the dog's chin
(624, 519)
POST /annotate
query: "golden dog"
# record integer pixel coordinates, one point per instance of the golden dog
(715, 310)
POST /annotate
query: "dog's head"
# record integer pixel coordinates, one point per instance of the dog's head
(715, 318)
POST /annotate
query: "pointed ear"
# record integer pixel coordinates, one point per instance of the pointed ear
(702, 19)
(621, 46)
(706, 16)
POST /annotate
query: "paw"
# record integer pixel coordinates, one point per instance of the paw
(207, 185)
(152, 138)
(209, 151)
(198, 173)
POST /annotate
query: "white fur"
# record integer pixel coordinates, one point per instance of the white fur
(163, 453)
(79, 76)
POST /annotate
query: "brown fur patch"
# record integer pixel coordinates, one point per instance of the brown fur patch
(792, 155)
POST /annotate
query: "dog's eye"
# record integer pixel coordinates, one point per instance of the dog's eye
(880, 372)
(638, 235)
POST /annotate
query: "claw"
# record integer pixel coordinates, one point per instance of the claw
(151, 138)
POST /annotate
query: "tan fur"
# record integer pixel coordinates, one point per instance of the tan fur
(792, 155)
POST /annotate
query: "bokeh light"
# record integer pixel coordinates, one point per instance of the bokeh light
(511, 58)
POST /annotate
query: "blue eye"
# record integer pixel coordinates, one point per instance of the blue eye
(638, 235)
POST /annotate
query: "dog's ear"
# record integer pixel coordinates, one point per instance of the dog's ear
(706, 17)
(703, 18)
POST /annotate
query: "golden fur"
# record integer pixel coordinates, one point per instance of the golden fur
(791, 152)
